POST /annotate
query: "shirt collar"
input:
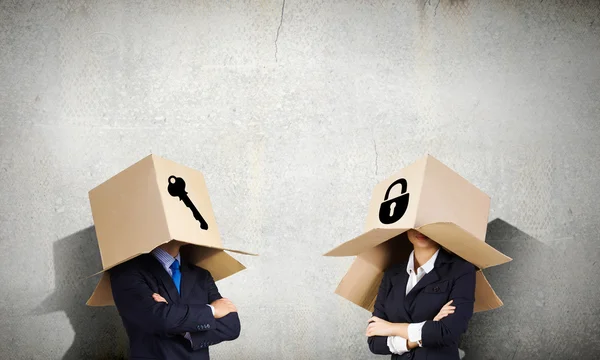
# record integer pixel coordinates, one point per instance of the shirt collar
(165, 258)
(427, 267)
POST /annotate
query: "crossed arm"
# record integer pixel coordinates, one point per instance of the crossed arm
(135, 302)
(227, 320)
(444, 330)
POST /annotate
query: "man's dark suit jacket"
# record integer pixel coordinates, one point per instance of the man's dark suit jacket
(452, 278)
(156, 330)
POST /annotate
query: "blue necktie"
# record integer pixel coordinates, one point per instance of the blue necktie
(176, 274)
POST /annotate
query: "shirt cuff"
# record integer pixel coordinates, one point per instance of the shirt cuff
(397, 345)
(414, 332)
(212, 308)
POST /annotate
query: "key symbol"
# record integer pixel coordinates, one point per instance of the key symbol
(177, 189)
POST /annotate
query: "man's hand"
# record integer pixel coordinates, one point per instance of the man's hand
(445, 311)
(223, 307)
(379, 327)
(159, 298)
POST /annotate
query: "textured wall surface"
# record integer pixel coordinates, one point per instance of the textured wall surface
(294, 111)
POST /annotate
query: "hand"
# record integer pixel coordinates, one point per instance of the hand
(445, 311)
(379, 327)
(159, 298)
(223, 307)
(411, 345)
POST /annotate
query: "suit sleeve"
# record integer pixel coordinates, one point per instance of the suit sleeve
(447, 331)
(226, 328)
(133, 298)
(378, 344)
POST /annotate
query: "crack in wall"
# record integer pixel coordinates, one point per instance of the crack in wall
(376, 158)
(279, 28)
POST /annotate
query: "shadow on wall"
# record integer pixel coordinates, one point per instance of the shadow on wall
(99, 333)
(544, 312)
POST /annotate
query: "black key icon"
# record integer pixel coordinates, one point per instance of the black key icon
(177, 189)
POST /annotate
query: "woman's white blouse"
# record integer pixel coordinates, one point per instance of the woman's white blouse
(397, 344)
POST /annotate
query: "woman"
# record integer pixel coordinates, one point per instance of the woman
(423, 304)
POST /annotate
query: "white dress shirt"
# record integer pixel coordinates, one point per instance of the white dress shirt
(397, 344)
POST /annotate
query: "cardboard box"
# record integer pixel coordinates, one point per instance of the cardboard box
(433, 199)
(149, 204)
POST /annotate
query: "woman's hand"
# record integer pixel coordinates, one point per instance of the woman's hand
(445, 311)
(379, 327)
(411, 345)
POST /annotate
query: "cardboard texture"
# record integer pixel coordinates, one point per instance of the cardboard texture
(152, 202)
(436, 201)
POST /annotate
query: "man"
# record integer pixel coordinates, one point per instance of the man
(171, 310)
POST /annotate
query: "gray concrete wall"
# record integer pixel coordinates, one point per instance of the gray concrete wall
(294, 113)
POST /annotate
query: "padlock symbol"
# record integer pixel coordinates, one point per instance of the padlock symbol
(392, 210)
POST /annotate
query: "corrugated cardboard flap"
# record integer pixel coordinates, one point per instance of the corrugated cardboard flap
(216, 260)
(447, 234)
(375, 254)
(365, 242)
(485, 296)
(226, 249)
(464, 244)
(361, 282)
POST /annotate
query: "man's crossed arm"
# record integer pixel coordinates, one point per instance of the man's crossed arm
(135, 302)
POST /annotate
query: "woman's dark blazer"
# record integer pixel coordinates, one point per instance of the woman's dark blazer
(452, 278)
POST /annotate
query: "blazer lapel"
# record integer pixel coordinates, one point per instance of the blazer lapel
(188, 279)
(399, 287)
(433, 276)
(164, 278)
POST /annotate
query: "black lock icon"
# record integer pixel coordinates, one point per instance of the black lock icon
(392, 210)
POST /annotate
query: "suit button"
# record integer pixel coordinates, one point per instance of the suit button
(208, 326)
(198, 327)
(436, 289)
